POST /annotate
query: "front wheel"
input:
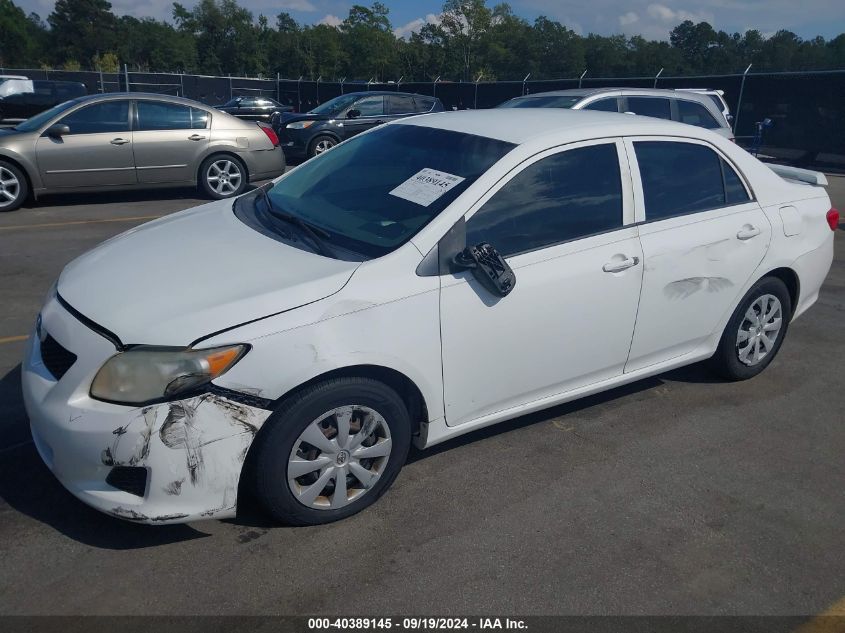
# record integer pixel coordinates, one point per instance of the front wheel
(320, 144)
(331, 451)
(222, 177)
(755, 332)
(13, 187)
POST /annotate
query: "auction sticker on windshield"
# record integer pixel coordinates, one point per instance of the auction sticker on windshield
(426, 186)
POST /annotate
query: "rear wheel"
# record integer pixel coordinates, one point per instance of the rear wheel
(755, 332)
(222, 177)
(13, 187)
(331, 451)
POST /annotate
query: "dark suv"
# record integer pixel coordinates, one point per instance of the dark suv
(311, 133)
(254, 108)
(23, 98)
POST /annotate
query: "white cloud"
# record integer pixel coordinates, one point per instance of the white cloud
(415, 25)
(628, 19)
(675, 16)
(331, 20)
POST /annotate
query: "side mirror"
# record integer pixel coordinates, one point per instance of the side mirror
(488, 267)
(57, 130)
(353, 114)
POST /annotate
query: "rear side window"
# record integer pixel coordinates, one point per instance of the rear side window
(109, 116)
(157, 115)
(602, 105)
(370, 106)
(650, 106)
(563, 197)
(401, 104)
(682, 178)
(693, 113)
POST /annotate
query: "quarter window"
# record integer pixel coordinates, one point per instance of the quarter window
(650, 106)
(682, 178)
(695, 114)
(563, 197)
(400, 104)
(109, 116)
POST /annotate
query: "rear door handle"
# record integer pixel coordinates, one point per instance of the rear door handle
(619, 266)
(196, 137)
(747, 232)
(119, 141)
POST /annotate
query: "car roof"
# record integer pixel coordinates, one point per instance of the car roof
(555, 125)
(586, 92)
(378, 93)
(140, 95)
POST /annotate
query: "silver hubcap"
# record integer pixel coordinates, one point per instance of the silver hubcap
(323, 145)
(10, 187)
(224, 177)
(759, 330)
(339, 457)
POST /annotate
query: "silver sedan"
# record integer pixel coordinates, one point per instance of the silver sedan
(134, 141)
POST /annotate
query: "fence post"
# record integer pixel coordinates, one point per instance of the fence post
(341, 85)
(299, 94)
(102, 85)
(475, 99)
(126, 74)
(657, 76)
(182, 84)
(523, 83)
(230, 85)
(318, 88)
(278, 92)
(739, 101)
(581, 77)
(434, 87)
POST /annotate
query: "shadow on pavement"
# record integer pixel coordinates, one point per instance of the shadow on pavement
(119, 197)
(28, 487)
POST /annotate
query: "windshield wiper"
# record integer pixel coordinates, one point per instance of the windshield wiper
(318, 236)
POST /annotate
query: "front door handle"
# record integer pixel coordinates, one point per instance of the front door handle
(196, 137)
(747, 232)
(120, 141)
(619, 266)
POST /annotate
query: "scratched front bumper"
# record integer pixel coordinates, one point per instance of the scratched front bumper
(193, 449)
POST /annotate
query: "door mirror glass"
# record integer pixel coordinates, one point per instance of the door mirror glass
(57, 130)
(488, 267)
(353, 114)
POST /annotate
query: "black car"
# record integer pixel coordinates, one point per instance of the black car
(311, 133)
(24, 98)
(254, 108)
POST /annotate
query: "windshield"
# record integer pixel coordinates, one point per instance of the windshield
(335, 106)
(31, 125)
(551, 101)
(373, 193)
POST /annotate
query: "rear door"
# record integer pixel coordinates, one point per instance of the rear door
(702, 235)
(169, 140)
(658, 107)
(97, 152)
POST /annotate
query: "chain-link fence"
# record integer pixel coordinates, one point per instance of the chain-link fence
(807, 108)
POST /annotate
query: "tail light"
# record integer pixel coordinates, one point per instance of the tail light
(833, 219)
(271, 134)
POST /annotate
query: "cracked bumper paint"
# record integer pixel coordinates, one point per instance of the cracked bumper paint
(192, 449)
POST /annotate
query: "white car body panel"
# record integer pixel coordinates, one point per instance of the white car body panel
(563, 333)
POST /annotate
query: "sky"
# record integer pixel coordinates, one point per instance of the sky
(651, 18)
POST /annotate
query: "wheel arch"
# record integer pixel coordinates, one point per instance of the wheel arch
(220, 152)
(320, 133)
(790, 278)
(23, 168)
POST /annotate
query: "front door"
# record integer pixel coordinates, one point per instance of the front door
(169, 141)
(703, 237)
(370, 113)
(562, 223)
(96, 152)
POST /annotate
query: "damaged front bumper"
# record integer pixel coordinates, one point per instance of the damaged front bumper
(185, 456)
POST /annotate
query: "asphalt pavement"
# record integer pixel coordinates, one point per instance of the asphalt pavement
(679, 494)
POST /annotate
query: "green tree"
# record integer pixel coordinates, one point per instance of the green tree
(21, 38)
(81, 29)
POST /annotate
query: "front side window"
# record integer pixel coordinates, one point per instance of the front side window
(370, 106)
(563, 197)
(693, 113)
(332, 107)
(359, 191)
(105, 117)
(603, 105)
(657, 107)
(681, 178)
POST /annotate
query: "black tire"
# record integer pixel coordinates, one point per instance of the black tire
(320, 141)
(276, 440)
(726, 361)
(205, 185)
(20, 191)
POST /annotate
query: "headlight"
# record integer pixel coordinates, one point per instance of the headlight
(300, 125)
(147, 374)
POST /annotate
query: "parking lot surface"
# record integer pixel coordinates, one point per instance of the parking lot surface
(679, 494)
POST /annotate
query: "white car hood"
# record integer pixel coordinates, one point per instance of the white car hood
(180, 278)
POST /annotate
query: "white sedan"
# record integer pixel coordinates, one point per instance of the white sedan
(436, 275)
